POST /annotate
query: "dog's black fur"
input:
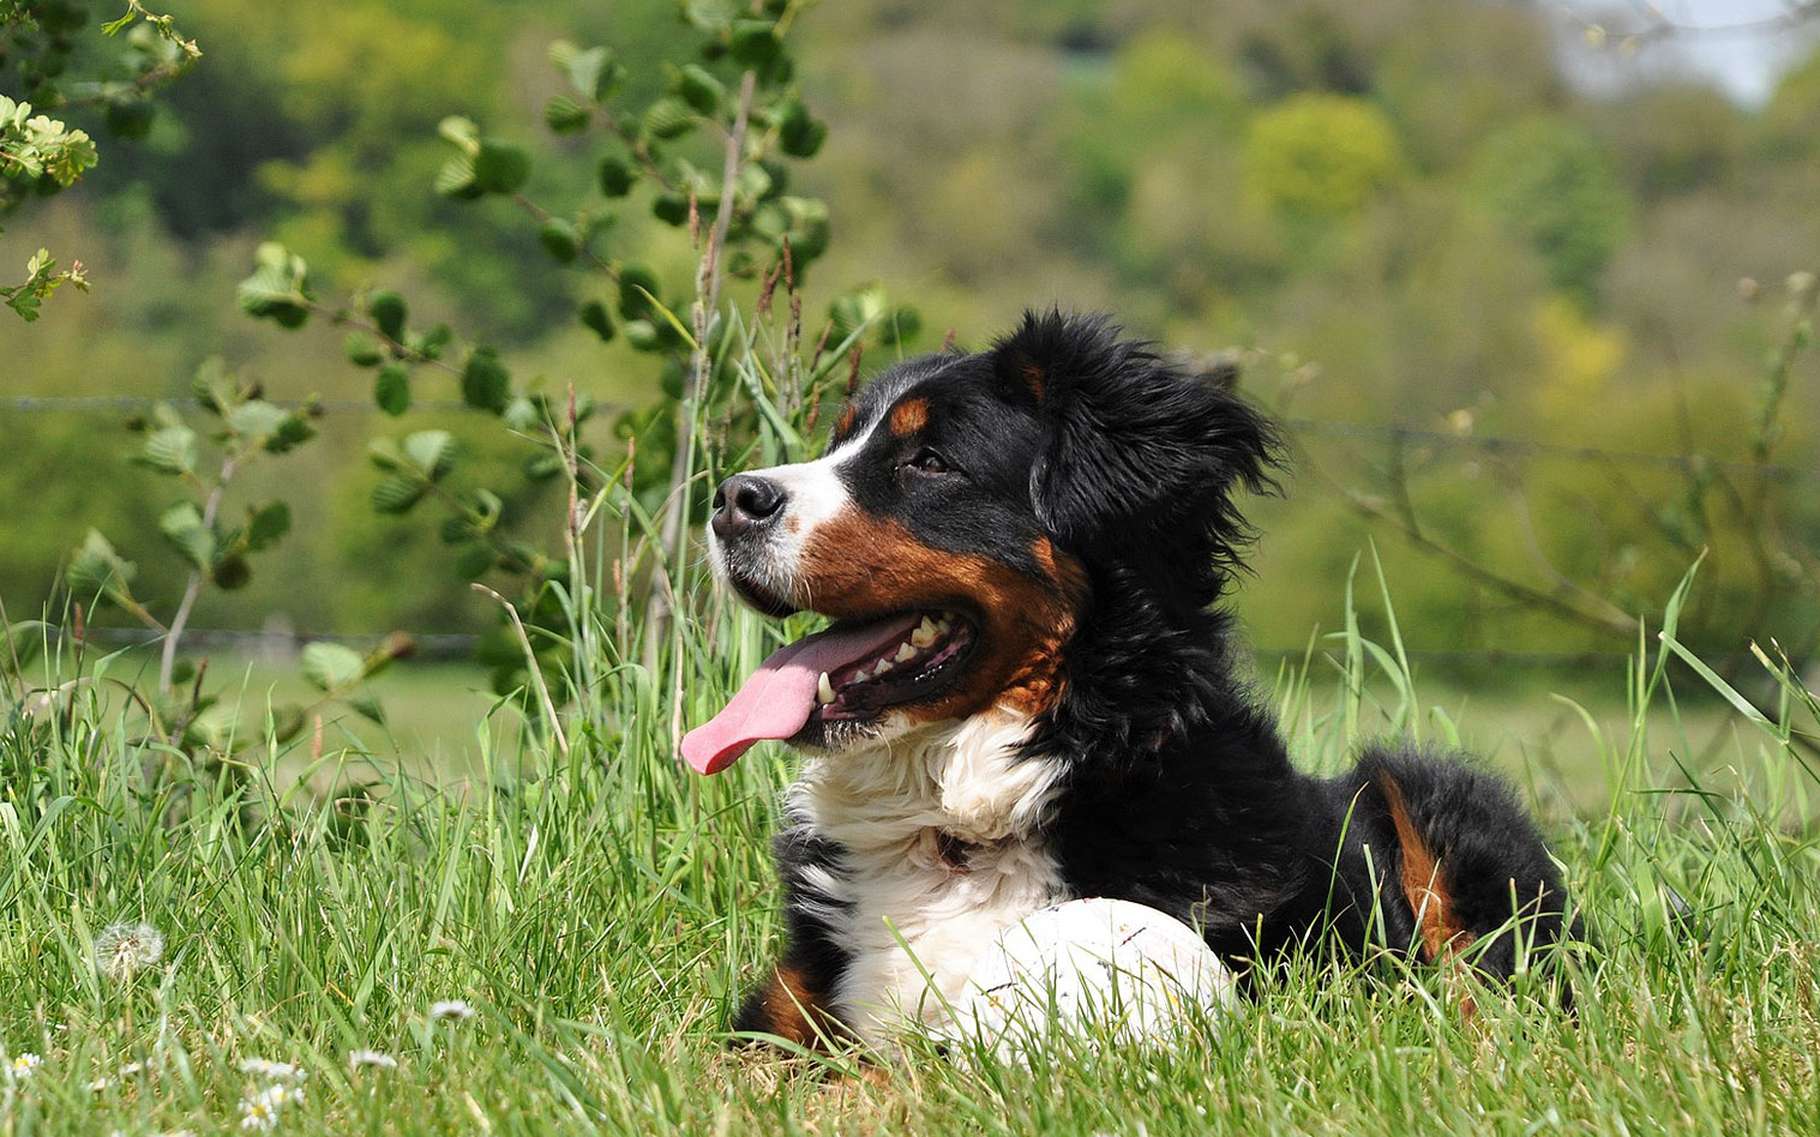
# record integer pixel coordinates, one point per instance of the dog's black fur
(1179, 792)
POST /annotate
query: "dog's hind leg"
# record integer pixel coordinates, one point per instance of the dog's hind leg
(1469, 861)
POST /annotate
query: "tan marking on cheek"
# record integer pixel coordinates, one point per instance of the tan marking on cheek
(909, 416)
(857, 565)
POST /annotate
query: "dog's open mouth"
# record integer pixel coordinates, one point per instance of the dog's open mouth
(852, 673)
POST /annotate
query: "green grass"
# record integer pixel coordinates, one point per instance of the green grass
(601, 910)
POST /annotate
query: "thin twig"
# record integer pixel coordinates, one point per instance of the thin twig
(167, 661)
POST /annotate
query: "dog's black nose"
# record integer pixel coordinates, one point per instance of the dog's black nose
(743, 502)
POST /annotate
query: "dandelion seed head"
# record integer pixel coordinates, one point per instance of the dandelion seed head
(457, 1010)
(23, 1067)
(124, 950)
(371, 1059)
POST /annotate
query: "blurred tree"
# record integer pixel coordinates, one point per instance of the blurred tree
(1548, 180)
(1320, 157)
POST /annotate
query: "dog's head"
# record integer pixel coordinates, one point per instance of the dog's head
(967, 509)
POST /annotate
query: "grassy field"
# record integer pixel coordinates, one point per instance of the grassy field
(596, 912)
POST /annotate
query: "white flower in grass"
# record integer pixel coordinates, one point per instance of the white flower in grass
(453, 1010)
(259, 1114)
(260, 1111)
(131, 1069)
(275, 1071)
(124, 950)
(23, 1067)
(371, 1060)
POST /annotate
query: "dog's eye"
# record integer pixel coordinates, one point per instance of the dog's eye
(927, 461)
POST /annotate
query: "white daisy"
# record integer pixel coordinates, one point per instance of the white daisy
(127, 1071)
(371, 1059)
(457, 1010)
(23, 1067)
(258, 1114)
(124, 950)
(276, 1071)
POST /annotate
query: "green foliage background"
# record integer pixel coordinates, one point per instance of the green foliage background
(1430, 229)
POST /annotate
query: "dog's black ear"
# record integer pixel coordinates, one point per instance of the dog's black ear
(1136, 451)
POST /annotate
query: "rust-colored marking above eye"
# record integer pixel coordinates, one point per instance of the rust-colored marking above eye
(1034, 378)
(909, 416)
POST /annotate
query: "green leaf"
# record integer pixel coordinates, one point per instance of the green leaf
(670, 208)
(900, 325)
(669, 117)
(560, 239)
(278, 290)
(643, 335)
(287, 722)
(593, 73)
(701, 90)
(798, 134)
(594, 317)
(456, 178)
(170, 450)
(257, 419)
(20, 644)
(564, 115)
(388, 311)
(291, 432)
(97, 571)
(637, 284)
(362, 350)
(616, 176)
(500, 167)
(431, 343)
(182, 526)
(331, 666)
(384, 454)
(485, 382)
(213, 387)
(396, 493)
(460, 131)
(474, 561)
(231, 572)
(754, 42)
(266, 524)
(861, 308)
(392, 389)
(367, 706)
(431, 451)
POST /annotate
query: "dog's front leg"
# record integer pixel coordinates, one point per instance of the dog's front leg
(793, 1003)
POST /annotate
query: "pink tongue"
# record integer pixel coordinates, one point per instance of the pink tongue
(778, 698)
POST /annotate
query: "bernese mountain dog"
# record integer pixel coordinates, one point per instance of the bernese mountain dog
(1028, 695)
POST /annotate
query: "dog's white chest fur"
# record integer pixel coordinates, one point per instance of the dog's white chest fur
(887, 805)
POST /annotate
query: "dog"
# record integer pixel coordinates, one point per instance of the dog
(1029, 694)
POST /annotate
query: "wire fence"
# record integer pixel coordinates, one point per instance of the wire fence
(444, 645)
(459, 646)
(1392, 432)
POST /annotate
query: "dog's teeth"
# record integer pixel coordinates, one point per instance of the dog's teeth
(824, 690)
(884, 665)
(924, 635)
(905, 653)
